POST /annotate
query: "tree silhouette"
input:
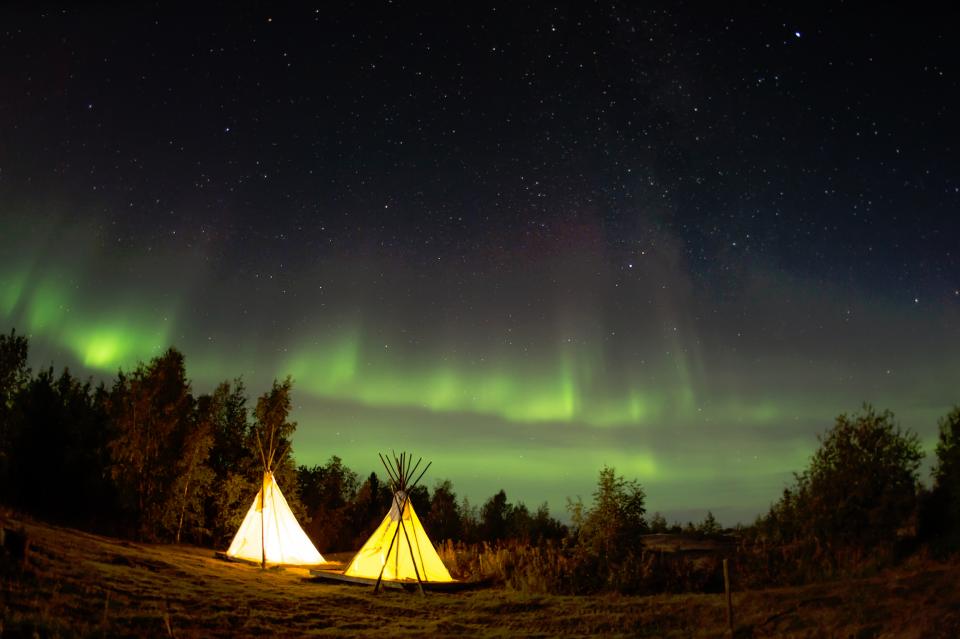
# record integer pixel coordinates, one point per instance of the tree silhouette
(443, 519)
(942, 512)
(151, 411)
(613, 525)
(859, 489)
(14, 375)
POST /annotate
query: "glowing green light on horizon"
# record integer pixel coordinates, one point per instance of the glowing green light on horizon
(109, 345)
(102, 338)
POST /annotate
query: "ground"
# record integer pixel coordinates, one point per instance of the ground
(78, 584)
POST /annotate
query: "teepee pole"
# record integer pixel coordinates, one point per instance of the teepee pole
(393, 539)
(414, 484)
(413, 558)
(387, 466)
(263, 507)
(412, 471)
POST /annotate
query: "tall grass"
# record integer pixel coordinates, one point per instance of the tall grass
(564, 568)
(568, 569)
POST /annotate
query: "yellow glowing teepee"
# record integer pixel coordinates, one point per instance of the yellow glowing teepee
(399, 549)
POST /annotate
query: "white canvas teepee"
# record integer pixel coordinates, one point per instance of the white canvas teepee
(399, 549)
(270, 534)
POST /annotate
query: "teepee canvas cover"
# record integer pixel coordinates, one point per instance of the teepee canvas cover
(399, 549)
(399, 560)
(270, 533)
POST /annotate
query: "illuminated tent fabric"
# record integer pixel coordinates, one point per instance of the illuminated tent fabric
(270, 534)
(400, 551)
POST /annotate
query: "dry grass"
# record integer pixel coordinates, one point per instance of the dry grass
(78, 584)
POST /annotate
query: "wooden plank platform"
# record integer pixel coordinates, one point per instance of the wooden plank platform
(405, 584)
(270, 566)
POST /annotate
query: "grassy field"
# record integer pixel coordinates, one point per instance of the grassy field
(78, 584)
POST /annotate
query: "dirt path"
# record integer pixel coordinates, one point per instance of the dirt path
(76, 583)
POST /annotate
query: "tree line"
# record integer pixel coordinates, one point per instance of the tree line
(146, 458)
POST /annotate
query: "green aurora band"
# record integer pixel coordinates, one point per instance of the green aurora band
(382, 391)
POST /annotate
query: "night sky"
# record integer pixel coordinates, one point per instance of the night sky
(521, 241)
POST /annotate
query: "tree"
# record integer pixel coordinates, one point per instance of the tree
(860, 487)
(519, 523)
(14, 375)
(14, 372)
(443, 519)
(326, 492)
(613, 525)
(709, 525)
(942, 512)
(368, 509)
(151, 411)
(234, 460)
(194, 477)
(273, 432)
(59, 443)
(469, 522)
(493, 517)
(544, 527)
(233, 448)
(658, 523)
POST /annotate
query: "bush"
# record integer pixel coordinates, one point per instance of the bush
(855, 499)
(941, 517)
(564, 568)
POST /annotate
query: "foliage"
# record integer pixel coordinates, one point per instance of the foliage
(560, 567)
(326, 493)
(608, 534)
(616, 518)
(443, 520)
(941, 517)
(368, 508)
(194, 477)
(152, 413)
(234, 460)
(500, 520)
(658, 523)
(859, 490)
(14, 375)
(709, 525)
(272, 432)
(14, 372)
(59, 420)
(493, 517)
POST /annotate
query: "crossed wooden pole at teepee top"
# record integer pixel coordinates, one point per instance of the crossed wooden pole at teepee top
(400, 474)
(266, 457)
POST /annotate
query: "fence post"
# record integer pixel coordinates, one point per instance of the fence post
(726, 589)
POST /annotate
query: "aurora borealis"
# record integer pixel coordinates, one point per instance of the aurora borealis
(522, 242)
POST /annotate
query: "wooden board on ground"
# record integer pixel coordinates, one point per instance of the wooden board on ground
(330, 565)
(321, 574)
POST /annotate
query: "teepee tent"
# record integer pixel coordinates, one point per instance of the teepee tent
(270, 532)
(399, 549)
